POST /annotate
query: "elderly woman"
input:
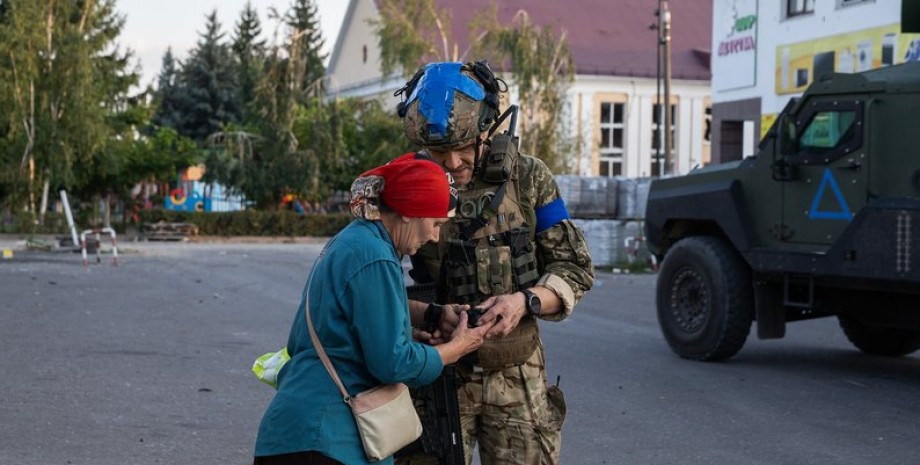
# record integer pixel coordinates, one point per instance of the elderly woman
(359, 310)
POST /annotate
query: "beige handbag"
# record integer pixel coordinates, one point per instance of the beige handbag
(386, 418)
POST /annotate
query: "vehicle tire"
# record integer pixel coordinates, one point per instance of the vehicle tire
(705, 299)
(878, 340)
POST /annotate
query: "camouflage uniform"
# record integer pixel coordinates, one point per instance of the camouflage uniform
(508, 407)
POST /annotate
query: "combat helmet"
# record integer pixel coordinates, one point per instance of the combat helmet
(449, 104)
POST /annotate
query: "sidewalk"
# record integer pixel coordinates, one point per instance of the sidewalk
(18, 241)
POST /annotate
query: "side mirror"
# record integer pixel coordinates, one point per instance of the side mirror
(788, 136)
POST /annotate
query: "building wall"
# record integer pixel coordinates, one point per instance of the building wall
(357, 60)
(638, 97)
(775, 56)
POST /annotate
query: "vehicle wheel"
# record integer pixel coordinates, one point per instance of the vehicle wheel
(705, 299)
(878, 340)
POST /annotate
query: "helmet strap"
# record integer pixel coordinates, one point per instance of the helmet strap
(477, 158)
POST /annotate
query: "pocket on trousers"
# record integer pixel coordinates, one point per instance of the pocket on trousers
(556, 406)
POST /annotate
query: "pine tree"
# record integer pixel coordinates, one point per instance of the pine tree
(210, 84)
(168, 96)
(249, 53)
(306, 41)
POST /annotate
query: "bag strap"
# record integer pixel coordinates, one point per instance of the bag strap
(322, 354)
(313, 337)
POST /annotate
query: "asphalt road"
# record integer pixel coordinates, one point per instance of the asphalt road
(149, 362)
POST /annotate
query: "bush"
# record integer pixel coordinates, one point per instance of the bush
(55, 223)
(253, 222)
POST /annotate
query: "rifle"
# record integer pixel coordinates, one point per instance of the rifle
(437, 407)
(440, 415)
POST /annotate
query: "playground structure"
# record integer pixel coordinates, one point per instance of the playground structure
(190, 194)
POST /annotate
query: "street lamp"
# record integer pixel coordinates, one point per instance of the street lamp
(666, 43)
(663, 42)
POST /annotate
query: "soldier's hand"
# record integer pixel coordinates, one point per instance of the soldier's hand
(505, 311)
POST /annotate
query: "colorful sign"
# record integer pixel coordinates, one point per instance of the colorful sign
(736, 45)
(799, 64)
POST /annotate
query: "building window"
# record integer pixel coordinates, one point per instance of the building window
(799, 7)
(612, 140)
(659, 158)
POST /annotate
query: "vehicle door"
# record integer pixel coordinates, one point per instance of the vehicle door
(824, 153)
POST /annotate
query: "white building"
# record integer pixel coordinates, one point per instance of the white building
(766, 51)
(610, 109)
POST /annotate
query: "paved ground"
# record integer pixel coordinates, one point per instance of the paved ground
(148, 363)
(144, 363)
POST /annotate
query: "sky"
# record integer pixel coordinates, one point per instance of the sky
(151, 26)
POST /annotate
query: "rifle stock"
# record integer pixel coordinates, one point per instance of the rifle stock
(437, 407)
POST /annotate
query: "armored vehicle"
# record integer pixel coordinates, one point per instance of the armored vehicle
(823, 221)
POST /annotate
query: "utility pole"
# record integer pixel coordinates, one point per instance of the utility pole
(665, 15)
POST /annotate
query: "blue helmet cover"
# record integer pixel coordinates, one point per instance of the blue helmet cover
(435, 93)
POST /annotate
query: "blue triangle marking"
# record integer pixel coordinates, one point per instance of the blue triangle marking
(843, 214)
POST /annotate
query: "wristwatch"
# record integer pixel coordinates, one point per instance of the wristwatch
(531, 302)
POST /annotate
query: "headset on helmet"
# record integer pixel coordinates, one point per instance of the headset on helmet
(449, 104)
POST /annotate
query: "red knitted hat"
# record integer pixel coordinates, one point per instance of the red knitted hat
(415, 187)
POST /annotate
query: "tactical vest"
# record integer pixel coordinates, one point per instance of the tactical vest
(497, 258)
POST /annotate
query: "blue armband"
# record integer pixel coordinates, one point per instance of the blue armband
(551, 214)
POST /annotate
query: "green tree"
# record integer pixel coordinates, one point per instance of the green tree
(375, 138)
(63, 76)
(265, 160)
(249, 53)
(305, 42)
(411, 31)
(11, 190)
(169, 96)
(210, 84)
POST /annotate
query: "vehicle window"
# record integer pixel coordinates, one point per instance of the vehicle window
(827, 130)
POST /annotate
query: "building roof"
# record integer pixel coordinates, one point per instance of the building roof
(610, 37)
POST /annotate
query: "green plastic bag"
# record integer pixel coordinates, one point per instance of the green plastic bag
(266, 367)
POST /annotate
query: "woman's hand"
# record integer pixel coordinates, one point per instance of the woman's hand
(463, 340)
(450, 318)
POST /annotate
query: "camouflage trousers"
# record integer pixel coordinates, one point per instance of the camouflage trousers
(511, 413)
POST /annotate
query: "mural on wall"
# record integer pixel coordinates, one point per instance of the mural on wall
(798, 64)
(735, 30)
(185, 196)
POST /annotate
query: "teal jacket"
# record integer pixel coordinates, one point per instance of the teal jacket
(359, 309)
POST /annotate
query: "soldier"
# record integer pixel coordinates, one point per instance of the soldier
(511, 251)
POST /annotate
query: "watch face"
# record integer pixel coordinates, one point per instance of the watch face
(533, 302)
